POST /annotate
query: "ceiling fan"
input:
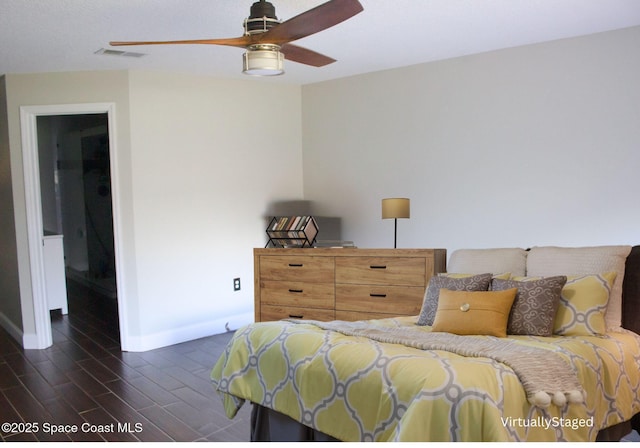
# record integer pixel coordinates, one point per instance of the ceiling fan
(267, 40)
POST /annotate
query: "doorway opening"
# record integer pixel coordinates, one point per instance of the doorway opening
(90, 219)
(77, 213)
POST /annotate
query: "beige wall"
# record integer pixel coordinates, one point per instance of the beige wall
(525, 146)
(209, 156)
(10, 312)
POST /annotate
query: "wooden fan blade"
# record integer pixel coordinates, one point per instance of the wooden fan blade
(243, 42)
(310, 22)
(305, 56)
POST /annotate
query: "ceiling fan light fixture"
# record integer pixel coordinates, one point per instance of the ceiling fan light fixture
(265, 36)
(263, 60)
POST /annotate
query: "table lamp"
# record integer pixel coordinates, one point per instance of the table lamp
(395, 208)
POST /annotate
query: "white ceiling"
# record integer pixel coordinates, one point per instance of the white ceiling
(63, 35)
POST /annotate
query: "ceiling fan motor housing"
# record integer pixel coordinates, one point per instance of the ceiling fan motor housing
(262, 17)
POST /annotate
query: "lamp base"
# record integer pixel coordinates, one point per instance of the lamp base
(395, 232)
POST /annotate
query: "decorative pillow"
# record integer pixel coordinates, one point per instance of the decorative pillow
(535, 307)
(430, 303)
(474, 312)
(478, 261)
(575, 261)
(583, 303)
(503, 276)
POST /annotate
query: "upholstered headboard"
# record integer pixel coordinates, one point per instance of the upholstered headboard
(547, 261)
(631, 292)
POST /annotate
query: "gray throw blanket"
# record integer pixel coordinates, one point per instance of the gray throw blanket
(546, 377)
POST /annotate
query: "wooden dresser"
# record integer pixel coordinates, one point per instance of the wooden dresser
(344, 284)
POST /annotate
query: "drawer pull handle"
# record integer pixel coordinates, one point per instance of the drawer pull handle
(378, 267)
(295, 265)
(378, 295)
(297, 291)
(296, 316)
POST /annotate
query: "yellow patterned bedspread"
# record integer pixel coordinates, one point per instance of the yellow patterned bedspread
(357, 389)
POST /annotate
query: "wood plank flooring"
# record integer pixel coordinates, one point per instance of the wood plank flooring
(109, 395)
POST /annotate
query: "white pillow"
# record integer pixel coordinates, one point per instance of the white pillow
(574, 261)
(495, 261)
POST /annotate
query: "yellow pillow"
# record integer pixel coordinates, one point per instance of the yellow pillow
(583, 303)
(474, 312)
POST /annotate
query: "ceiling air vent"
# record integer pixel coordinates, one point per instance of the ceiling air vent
(131, 54)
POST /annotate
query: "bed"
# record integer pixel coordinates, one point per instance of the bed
(573, 376)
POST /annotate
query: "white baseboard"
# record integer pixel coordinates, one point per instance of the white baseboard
(188, 333)
(30, 342)
(27, 340)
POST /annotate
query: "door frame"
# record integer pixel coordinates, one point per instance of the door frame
(28, 123)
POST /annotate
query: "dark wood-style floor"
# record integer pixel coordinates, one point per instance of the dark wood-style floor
(84, 379)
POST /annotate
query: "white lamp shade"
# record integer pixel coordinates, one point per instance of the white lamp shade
(395, 208)
(263, 62)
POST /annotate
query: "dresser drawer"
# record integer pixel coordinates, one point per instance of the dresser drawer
(297, 268)
(406, 271)
(397, 300)
(361, 315)
(271, 312)
(313, 295)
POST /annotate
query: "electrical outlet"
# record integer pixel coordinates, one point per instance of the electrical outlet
(236, 284)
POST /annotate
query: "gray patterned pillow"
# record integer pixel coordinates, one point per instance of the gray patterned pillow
(536, 304)
(478, 282)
